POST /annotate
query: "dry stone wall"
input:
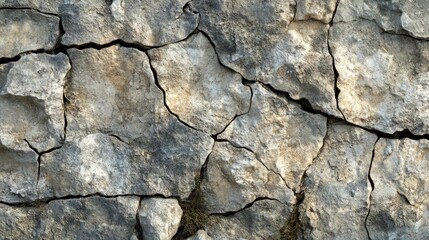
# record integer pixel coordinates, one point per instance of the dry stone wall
(214, 119)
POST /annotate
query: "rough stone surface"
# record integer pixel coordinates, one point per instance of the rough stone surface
(285, 138)
(337, 185)
(263, 220)
(86, 218)
(383, 78)
(200, 235)
(46, 6)
(321, 10)
(403, 17)
(120, 137)
(400, 200)
(148, 23)
(235, 178)
(159, 218)
(24, 30)
(258, 40)
(31, 101)
(198, 89)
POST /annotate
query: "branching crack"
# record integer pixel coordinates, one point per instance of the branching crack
(372, 188)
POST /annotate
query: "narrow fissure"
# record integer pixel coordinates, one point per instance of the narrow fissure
(372, 188)
(138, 226)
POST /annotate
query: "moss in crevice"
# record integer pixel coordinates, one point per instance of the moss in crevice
(290, 230)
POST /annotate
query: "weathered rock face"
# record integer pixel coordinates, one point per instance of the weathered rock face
(403, 17)
(400, 200)
(120, 138)
(31, 101)
(149, 23)
(258, 40)
(159, 218)
(263, 220)
(86, 218)
(383, 78)
(337, 185)
(198, 89)
(24, 30)
(214, 119)
(235, 178)
(283, 137)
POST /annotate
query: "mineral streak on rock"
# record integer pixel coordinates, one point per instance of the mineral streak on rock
(23, 30)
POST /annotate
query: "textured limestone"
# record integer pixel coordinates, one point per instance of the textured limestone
(148, 23)
(25, 30)
(47, 6)
(263, 220)
(198, 89)
(321, 10)
(159, 218)
(383, 78)
(337, 185)
(31, 101)
(403, 17)
(200, 235)
(120, 137)
(85, 218)
(284, 137)
(18, 175)
(258, 40)
(400, 200)
(235, 178)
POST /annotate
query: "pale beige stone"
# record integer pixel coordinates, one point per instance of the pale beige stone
(203, 93)
(321, 10)
(285, 138)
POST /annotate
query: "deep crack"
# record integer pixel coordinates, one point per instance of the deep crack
(372, 188)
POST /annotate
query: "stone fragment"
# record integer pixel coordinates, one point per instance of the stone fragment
(198, 89)
(337, 186)
(235, 178)
(263, 220)
(148, 23)
(18, 175)
(24, 30)
(31, 101)
(284, 138)
(257, 39)
(200, 235)
(120, 137)
(400, 199)
(402, 17)
(383, 78)
(159, 218)
(321, 10)
(82, 218)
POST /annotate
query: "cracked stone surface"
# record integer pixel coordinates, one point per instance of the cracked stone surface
(285, 138)
(400, 200)
(200, 235)
(402, 17)
(198, 89)
(337, 184)
(148, 23)
(86, 218)
(260, 41)
(159, 218)
(321, 10)
(235, 177)
(31, 101)
(383, 78)
(263, 220)
(25, 30)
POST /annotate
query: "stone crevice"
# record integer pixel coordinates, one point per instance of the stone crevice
(249, 205)
(372, 188)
